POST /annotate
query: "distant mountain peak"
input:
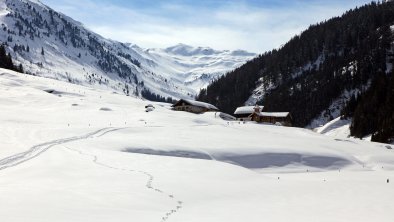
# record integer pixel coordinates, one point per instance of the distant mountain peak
(240, 52)
(180, 49)
(187, 50)
(51, 44)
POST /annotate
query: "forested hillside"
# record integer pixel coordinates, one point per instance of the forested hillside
(341, 56)
(6, 61)
(374, 110)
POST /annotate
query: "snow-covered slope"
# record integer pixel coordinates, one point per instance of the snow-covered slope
(196, 67)
(72, 153)
(50, 44)
(339, 129)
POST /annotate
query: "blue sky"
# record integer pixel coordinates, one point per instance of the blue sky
(254, 25)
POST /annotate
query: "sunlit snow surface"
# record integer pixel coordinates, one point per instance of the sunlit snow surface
(70, 153)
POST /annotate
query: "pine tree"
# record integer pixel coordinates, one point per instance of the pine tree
(20, 68)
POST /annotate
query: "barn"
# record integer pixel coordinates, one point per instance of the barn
(255, 113)
(283, 118)
(243, 113)
(194, 106)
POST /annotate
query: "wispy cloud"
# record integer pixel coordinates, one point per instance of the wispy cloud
(254, 25)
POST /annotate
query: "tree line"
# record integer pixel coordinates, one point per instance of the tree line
(307, 74)
(6, 61)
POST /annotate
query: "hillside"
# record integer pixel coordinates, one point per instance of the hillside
(6, 61)
(316, 73)
(73, 153)
(50, 44)
(196, 67)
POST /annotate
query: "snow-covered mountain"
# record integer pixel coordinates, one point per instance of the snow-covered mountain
(196, 67)
(51, 44)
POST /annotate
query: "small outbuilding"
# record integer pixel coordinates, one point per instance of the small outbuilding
(194, 106)
(149, 108)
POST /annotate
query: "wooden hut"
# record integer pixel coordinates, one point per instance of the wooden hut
(243, 113)
(255, 113)
(194, 106)
(282, 118)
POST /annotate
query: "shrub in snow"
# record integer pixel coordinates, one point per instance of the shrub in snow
(105, 109)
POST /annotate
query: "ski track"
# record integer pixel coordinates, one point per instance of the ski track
(100, 134)
(37, 150)
(148, 185)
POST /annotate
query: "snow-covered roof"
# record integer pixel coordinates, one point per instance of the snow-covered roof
(277, 114)
(199, 104)
(246, 110)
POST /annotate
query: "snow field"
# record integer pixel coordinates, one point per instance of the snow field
(89, 168)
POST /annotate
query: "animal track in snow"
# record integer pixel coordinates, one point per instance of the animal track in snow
(148, 185)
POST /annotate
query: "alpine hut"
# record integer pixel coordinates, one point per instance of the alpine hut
(243, 113)
(194, 106)
(281, 118)
(254, 113)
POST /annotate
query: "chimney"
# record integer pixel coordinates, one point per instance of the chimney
(257, 109)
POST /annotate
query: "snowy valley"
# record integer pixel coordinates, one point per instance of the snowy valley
(83, 141)
(72, 153)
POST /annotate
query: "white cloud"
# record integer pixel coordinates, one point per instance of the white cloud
(233, 26)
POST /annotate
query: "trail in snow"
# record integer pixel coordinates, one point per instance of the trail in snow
(179, 204)
(37, 150)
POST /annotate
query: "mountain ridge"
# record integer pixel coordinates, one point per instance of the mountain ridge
(51, 44)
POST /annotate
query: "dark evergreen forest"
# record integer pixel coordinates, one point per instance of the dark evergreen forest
(155, 97)
(352, 52)
(6, 61)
